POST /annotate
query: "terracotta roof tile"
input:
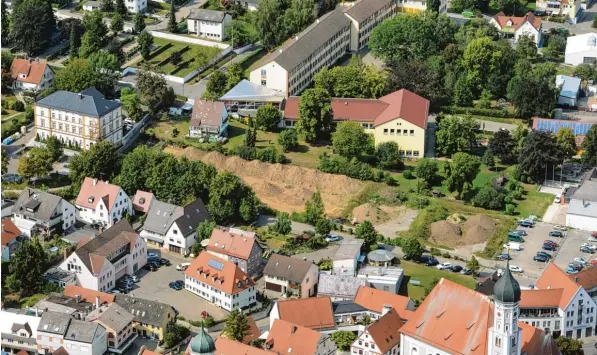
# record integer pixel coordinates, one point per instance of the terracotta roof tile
(87, 295)
(537, 342)
(33, 70)
(286, 338)
(101, 190)
(10, 232)
(374, 300)
(553, 278)
(516, 22)
(319, 316)
(385, 331)
(230, 347)
(228, 242)
(360, 110)
(253, 333)
(406, 105)
(147, 198)
(586, 278)
(541, 298)
(227, 279)
(149, 352)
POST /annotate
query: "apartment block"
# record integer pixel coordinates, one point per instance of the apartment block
(365, 15)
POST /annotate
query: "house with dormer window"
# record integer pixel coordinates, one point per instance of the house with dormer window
(102, 203)
(39, 212)
(237, 246)
(30, 74)
(515, 27)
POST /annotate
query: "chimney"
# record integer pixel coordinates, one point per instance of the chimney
(294, 328)
(97, 302)
(94, 180)
(386, 308)
(78, 298)
(80, 96)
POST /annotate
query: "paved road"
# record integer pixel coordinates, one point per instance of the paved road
(496, 126)
(589, 345)
(13, 150)
(583, 26)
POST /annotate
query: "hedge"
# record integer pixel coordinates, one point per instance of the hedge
(479, 112)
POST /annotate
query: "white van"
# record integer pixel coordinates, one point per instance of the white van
(513, 246)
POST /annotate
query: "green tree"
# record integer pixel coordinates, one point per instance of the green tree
(412, 248)
(388, 155)
(138, 23)
(54, 147)
(117, 23)
(250, 135)
(236, 73)
(108, 6)
(532, 90)
(526, 47)
(484, 59)
(594, 25)
(32, 39)
(489, 198)
(216, 85)
(172, 26)
(323, 227)
(131, 103)
(488, 159)
(205, 229)
(539, 150)
(586, 71)
(230, 199)
(270, 29)
(174, 334)
(314, 209)
(75, 42)
(4, 161)
(520, 134)
(27, 266)
(145, 41)
(356, 80)
(288, 139)
(136, 168)
(38, 163)
(456, 134)
(569, 346)
(80, 74)
(350, 140)
(5, 23)
(237, 326)
(426, 170)
(283, 224)
(502, 145)
(344, 339)
(101, 161)
(589, 147)
(237, 32)
(95, 34)
(556, 45)
(367, 232)
(461, 172)
(154, 91)
(463, 95)
(267, 117)
(315, 114)
(567, 142)
(121, 8)
(299, 15)
(473, 264)
(509, 7)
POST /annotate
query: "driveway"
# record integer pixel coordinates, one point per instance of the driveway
(556, 214)
(583, 26)
(491, 126)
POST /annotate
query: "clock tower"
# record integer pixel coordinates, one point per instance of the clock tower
(505, 335)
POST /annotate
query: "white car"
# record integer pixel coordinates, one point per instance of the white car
(183, 266)
(560, 227)
(592, 239)
(514, 268)
(133, 278)
(558, 199)
(151, 254)
(580, 260)
(332, 238)
(589, 245)
(443, 266)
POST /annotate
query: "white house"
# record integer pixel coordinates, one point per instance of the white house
(514, 27)
(92, 6)
(116, 252)
(220, 282)
(582, 210)
(81, 119)
(40, 212)
(570, 88)
(136, 6)
(210, 24)
(29, 74)
(172, 227)
(347, 257)
(18, 332)
(581, 49)
(285, 274)
(572, 9)
(77, 337)
(208, 119)
(102, 202)
(381, 337)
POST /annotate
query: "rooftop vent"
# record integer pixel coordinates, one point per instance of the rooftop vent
(142, 200)
(91, 199)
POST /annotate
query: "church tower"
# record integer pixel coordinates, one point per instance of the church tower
(505, 335)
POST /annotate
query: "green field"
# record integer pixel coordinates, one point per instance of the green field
(534, 202)
(191, 53)
(425, 275)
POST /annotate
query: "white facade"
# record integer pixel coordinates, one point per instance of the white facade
(526, 29)
(365, 344)
(306, 288)
(64, 216)
(581, 49)
(412, 346)
(172, 240)
(272, 76)
(361, 31)
(102, 214)
(83, 131)
(242, 299)
(46, 81)
(52, 342)
(209, 29)
(581, 222)
(135, 6)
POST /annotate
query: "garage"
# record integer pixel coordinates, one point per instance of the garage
(582, 211)
(273, 287)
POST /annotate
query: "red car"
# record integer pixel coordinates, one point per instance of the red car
(594, 262)
(551, 242)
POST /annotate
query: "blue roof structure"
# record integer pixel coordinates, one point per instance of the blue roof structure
(570, 86)
(554, 126)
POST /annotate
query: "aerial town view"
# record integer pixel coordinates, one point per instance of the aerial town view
(299, 177)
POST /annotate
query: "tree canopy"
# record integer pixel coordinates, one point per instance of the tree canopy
(456, 134)
(267, 117)
(37, 163)
(589, 146)
(237, 326)
(101, 161)
(315, 114)
(532, 90)
(349, 139)
(539, 150)
(502, 145)
(461, 172)
(154, 91)
(356, 80)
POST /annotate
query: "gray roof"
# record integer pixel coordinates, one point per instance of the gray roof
(53, 322)
(570, 85)
(55, 273)
(296, 50)
(507, 289)
(339, 286)
(206, 15)
(580, 208)
(162, 215)
(144, 311)
(115, 317)
(78, 103)
(92, 91)
(380, 255)
(363, 9)
(18, 326)
(82, 331)
(349, 249)
(248, 91)
(289, 268)
(36, 204)
(93, 3)
(343, 307)
(588, 188)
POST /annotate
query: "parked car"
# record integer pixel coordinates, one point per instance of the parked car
(152, 255)
(175, 285)
(150, 267)
(556, 234)
(134, 278)
(432, 262)
(551, 242)
(515, 237)
(548, 247)
(332, 238)
(580, 260)
(593, 237)
(114, 291)
(540, 258)
(521, 232)
(503, 256)
(589, 245)
(11, 178)
(594, 262)
(558, 199)
(574, 265)
(456, 268)
(443, 266)
(525, 223)
(183, 266)
(571, 271)
(466, 271)
(560, 227)
(587, 250)
(155, 263)
(165, 261)
(547, 255)
(513, 246)
(514, 268)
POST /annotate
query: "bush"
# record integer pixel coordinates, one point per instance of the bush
(408, 174)
(455, 110)
(270, 155)
(343, 166)
(517, 195)
(420, 226)
(19, 106)
(436, 252)
(417, 202)
(489, 198)
(510, 209)
(446, 255)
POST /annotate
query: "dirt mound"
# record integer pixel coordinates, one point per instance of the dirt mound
(445, 233)
(282, 187)
(368, 212)
(456, 218)
(477, 229)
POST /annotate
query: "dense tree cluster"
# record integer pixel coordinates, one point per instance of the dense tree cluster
(278, 20)
(100, 70)
(356, 80)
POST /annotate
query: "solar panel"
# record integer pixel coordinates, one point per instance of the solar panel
(215, 264)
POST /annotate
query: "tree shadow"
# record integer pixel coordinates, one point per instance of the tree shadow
(301, 148)
(234, 131)
(404, 286)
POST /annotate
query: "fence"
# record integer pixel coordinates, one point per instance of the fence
(190, 40)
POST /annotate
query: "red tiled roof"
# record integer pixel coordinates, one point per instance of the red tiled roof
(319, 314)
(253, 333)
(586, 278)
(406, 105)
(98, 190)
(374, 300)
(226, 280)
(286, 338)
(536, 342)
(502, 20)
(229, 243)
(87, 295)
(230, 347)
(149, 352)
(553, 278)
(33, 70)
(360, 110)
(147, 198)
(10, 232)
(385, 331)
(540, 298)
(207, 113)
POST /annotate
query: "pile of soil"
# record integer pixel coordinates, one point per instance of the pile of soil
(456, 218)
(445, 233)
(477, 229)
(282, 187)
(373, 213)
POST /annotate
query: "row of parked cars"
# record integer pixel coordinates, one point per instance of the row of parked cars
(154, 262)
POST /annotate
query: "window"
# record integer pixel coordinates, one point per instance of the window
(385, 131)
(392, 131)
(416, 153)
(498, 342)
(412, 132)
(43, 123)
(263, 82)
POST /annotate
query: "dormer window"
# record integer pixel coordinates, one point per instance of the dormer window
(142, 200)
(23, 75)
(239, 284)
(90, 199)
(509, 23)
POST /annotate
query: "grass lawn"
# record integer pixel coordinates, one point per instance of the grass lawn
(169, 68)
(485, 176)
(425, 275)
(531, 6)
(163, 130)
(9, 125)
(565, 69)
(534, 203)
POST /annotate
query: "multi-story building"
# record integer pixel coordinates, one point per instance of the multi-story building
(172, 227)
(116, 252)
(572, 9)
(211, 24)
(11, 238)
(75, 306)
(365, 15)
(38, 212)
(382, 278)
(136, 6)
(581, 49)
(102, 203)
(119, 327)
(346, 259)
(291, 67)
(237, 246)
(588, 280)
(559, 305)
(18, 333)
(381, 337)
(150, 317)
(454, 319)
(77, 337)
(377, 302)
(515, 27)
(291, 275)
(286, 338)
(80, 119)
(582, 210)
(29, 74)
(399, 117)
(220, 282)
(314, 313)
(339, 287)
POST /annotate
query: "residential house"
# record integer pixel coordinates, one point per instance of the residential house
(514, 27)
(365, 15)
(579, 128)
(399, 117)
(116, 252)
(382, 337)
(237, 246)
(150, 317)
(102, 203)
(119, 327)
(73, 306)
(569, 90)
(559, 305)
(572, 9)
(38, 212)
(30, 74)
(253, 333)
(375, 301)
(60, 277)
(319, 316)
(92, 6)
(226, 346)
(137, 6)
(339, 287)
(286, 338)
(349, 315)
(142, 201)
(208, 120)
(220, 282)
(11, 236)
(347, 257)
(211, 24)
(291, 275)
(18, 333)
(582, 210)
(172, 227)
(77, 337)
(382, 278)
(291, 67)
(250, 5)
(581, 49)
(246, 97)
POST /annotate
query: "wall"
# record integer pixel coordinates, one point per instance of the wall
(275, 76)
(101, 214)
(581, 222)
(309, 282)
(98, 347)
(406, 143)
(69, 214)
(84, 276)
(578, 57)
(242, 300)
(191, 40)
(528, 30)
(345, 267)
(411, 346)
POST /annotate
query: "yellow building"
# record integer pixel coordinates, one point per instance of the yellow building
(399, 117)
(150, 317)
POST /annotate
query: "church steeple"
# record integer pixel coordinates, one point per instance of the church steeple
(505, 335)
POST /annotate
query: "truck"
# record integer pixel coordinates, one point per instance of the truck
(513, 246)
